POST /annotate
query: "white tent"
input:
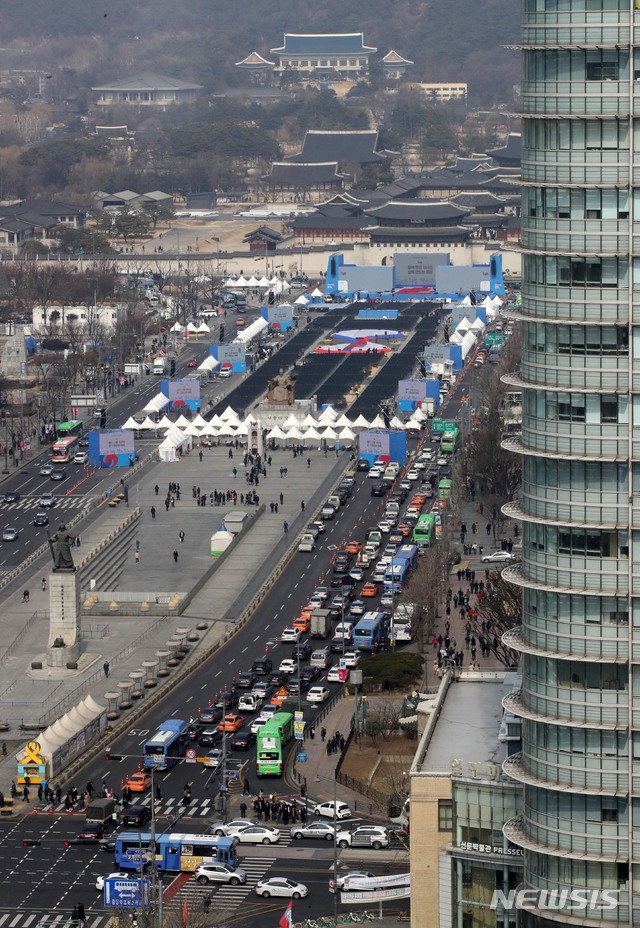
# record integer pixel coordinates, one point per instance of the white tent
(149, 424)
(192, 430)
(252, 331)
(158, 402)
(316, 293)
(291, 422)
(241, 282)
(178, 327)
(242, 429)
(312, 433)
(396, 423)
(209, 431)
(165, 423)
(192, 327)
(263, 283)
(301, 301)
(273, 281)
(413, 425)
(200, 421)
(253, 282)
(226, 430)
(229, 413)
(361, 423)
(294, 433)
(344, 421)
(346, 435)
(132, 424)
(216, 420)
(330, 433)
(420, 414)
(328, 413)
(378, 423)
(308, 422)
(182, 422)
(275, 432)
(209, 364)
(204, 328)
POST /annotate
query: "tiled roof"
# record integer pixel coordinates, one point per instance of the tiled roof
(286, 174)
(511, 153)
(393, 57)
(359, 147)
(419, 233)
(263, 232)
(478, 200)
(323, 44)
(254, 60)
(423, 210)
(332, 221)
(147, 81)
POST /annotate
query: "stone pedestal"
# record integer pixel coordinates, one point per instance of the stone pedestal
(64, 618)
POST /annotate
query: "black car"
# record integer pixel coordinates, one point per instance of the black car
(303, 649)
(41, 518)
(210, 716)
(12, 496)
(263, 666)
(136, 816)
(362, 464)
(246, 679)
(243, 741)
(310, 674)
(296, 686)
(58, 474)
(209, 736)
(337, 580)
(277, 679)
(90, 834)
(227, 701)
(341, 568)
(343, 494)
(378, 489)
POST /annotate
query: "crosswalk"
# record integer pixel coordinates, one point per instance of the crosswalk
(32, 503)
(49, 920)
(222, 897)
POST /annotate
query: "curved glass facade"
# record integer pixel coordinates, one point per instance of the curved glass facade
(580, 506)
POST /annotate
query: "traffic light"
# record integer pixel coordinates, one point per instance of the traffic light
(172, 367)
(221, 333)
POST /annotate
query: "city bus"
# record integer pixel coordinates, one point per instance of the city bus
(65, 429)
(65, 449)
(444, 488)
(272, 739)
(177, 852)
(424, 531)
(369, 633)
(449, 441)
(167, 745)
(400, 568)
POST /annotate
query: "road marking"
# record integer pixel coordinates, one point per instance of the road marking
(244, 649)
(204, 686)
(189, 699)
(256, 638)
(217, 674)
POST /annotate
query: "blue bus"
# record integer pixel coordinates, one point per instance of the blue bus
(400, 568)
(167, 745)
(370, 631)
(177, 852)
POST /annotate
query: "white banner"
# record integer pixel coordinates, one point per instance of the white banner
(377, 895)
(377, 882)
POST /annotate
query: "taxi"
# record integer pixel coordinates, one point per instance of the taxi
(231, 723)
(138, 782)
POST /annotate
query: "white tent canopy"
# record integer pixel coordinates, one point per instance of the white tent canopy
(229, 413)
(200, 421)
(132, 424)
(252, 331)
(330, 433)
(291, 422)
(192, 430)
(158, 402)
(316, 293)
(344, 421)
(149, 424)
(361, 423)
(253, 282)
(192, 327)
(328, 413)
(294, 433)
(346, 434)
(203, 327)
(312, 433)
(301, 301)
(241, 282)
(209, 364)
(396, 423)
(276, 432)
(413, 425)
(178, 327)
(165, 423)
(378, 423)
(182, 422)
(263, 282)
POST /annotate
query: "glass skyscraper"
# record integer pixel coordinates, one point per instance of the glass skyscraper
(580, 507)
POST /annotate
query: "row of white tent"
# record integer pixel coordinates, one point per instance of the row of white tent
(327, 425)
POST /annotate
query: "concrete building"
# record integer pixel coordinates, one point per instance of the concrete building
(580, 510)
(460, 800)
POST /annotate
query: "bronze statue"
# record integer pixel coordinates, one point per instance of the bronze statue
(60, 545)
(281, 389)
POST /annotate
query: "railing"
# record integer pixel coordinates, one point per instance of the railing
(91, 631)
(381, 800)
(26, 628)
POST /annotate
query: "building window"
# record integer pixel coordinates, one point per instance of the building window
(445, 815)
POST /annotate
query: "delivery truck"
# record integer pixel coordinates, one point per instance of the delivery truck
(320, 623)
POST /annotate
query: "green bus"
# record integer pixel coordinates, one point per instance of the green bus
(70, 429)
(444, 488)
(425, 529)
(272, 739)
(449, 441)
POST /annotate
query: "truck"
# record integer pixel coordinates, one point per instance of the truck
(320, 623)
(428, 406)
(100, 811)
(159, 366)
(307, 542)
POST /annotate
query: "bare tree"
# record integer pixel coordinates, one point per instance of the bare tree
(382, 722)
(501, 608)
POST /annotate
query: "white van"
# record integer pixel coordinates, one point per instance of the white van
(343, 631)
(320, 658)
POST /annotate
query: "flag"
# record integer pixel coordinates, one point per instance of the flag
(287, 917)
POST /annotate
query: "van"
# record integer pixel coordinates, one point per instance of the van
(343, 631)
(335, 501)
(307, 542)
(392, 508)
(320, 658)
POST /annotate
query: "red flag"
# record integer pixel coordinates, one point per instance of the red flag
(287, 917)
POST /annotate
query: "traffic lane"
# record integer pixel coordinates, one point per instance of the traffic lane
(46, 874)
(262, 632)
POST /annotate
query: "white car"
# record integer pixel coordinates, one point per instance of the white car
(288, 665)
(338, 810)
(357, 607)
(280, 886)
(352, 658)
(257, 834)
(420, 466)
(412, 474)
(375, 472)
(120, 875)
(322, 830)
(334, 674)
(80, 457)
(290, 635)
(384, 526)
(231, 828)
(219, 873)
(257, 724)
(386, 599)
(321, 592)
(249, 703)
(497, 556)
(47, 500)
(373, 836)
(318, 694)
(443, 462)
(343, 881)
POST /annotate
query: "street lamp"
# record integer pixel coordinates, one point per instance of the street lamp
(318, 778)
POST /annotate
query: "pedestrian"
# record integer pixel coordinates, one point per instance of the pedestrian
(81, 915)
(137, 557)
(282, 499)
(153, 512)
(25, 596)
(106, 668)
(158, 793)
(302, 505)
(323, 734)
(175, 556)
(243, 810)
(40, 792)
(74, 915)
(44, 584)
(285, 526)
(246, 791)
(25, 794)
(181, 536)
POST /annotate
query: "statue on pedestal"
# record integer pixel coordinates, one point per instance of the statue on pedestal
(281, 389)
(60, 545)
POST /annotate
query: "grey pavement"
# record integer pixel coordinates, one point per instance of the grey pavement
(223, 596)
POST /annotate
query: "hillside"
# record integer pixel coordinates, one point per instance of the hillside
(202, 39)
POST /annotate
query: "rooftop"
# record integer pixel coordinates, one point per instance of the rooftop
(467, 725)
(361, 146)
(323, 44)
(147, 81)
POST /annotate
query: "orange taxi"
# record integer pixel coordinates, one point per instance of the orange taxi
(303, 622)
(404, 528)
(231, 723)
(369, 589)
(353, 547)
(138, 782)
